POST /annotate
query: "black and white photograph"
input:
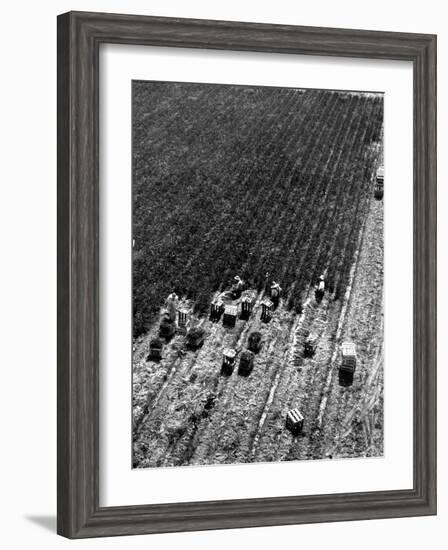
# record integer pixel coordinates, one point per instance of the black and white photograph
(257, 274)
(220, 224)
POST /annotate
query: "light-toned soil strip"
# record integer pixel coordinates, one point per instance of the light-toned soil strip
(342, 317)
(354, 415)
(289, 357)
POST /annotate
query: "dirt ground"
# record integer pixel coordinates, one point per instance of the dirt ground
(186, 412)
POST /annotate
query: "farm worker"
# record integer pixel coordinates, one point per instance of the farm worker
(171, 302)
(267, 281)
(238, 280)
(321, 283)
(275, 288)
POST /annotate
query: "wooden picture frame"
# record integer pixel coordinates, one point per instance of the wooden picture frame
(79, 38)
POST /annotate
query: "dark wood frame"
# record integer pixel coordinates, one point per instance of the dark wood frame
(79, 39)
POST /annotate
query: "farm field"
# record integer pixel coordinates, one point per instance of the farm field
(267, 184)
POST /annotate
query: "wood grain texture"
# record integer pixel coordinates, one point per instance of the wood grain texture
(79, 39)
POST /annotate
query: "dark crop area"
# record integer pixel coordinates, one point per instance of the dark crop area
(234, 180)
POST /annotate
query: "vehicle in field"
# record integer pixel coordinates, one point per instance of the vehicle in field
(294, 421)
(216, 309)
(348, 363)
(167, 326)
(230, 314)
(228, 361)
(266, 310)
(155, 349)
(248, 298)
(246, 363)
(379, 183)
(309, 348)
(182, 321)
(195, 337)
(254, 342)
(320, 289)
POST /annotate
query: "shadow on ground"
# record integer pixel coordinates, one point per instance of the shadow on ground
(46, 522)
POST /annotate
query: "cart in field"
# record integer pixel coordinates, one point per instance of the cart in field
(246, 363)
(348, 363)
(230, 315)
(294, 421)
(167, 327)
(216, 309)
(309, 348)
(228, 361)
(254, 342)
(155, 349)
(195, 337)
(267, 308)
(379, 183)
(248, 299)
